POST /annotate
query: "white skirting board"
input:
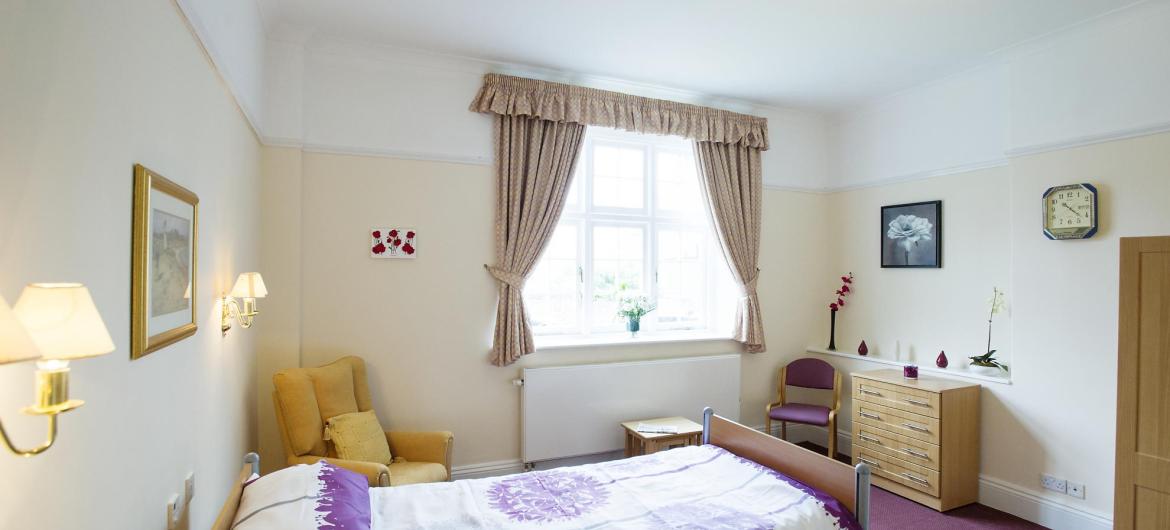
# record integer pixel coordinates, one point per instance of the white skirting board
(509, 467)
(487, 469)
(993, 492)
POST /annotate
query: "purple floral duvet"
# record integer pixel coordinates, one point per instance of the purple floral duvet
(691, 487)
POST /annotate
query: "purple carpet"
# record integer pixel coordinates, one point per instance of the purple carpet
(891, 512)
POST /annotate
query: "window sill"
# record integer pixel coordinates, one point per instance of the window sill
(954, 373)
(559, 342)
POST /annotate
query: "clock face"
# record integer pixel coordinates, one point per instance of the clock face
(1070, 212)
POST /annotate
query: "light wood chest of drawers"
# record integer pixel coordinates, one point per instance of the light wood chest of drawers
(920, 437)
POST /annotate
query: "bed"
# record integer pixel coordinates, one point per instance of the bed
(738, 478)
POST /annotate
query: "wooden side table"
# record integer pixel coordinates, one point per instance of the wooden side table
(646, 443)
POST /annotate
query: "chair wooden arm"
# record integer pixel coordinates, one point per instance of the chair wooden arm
(423, 446)
(377, 474)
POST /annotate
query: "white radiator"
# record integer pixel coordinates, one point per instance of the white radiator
(576, 410)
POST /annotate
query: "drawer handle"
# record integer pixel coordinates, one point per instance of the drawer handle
(868, 439)
(865, 414)
(870, 462)
(912, 452)
(914, 427)
(870, 392)
(922, 481)
(918, 402)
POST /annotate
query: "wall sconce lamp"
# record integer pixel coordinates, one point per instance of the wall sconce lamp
(249, 286)
(52, 323)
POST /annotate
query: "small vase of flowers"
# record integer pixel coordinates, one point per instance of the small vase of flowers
(996, 305)
(846, 282)
(633, 307)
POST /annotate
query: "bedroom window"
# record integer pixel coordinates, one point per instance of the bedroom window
(634, 223)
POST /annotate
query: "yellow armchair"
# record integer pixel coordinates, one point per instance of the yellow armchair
(306, 397)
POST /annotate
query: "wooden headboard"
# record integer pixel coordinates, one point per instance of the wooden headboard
(227, 514)
(846, 484)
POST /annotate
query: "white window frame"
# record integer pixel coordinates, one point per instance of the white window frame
(584, 216)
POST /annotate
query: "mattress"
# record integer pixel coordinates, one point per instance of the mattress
(690, 487)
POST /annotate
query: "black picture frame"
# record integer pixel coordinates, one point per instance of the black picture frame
(925, 251)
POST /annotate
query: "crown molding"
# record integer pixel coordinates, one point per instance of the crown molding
(1081, 141)
(1121, 134)
(200, 34)
(402, 154)
(922, 175)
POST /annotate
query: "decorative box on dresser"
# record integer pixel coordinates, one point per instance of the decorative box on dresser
(920, 437)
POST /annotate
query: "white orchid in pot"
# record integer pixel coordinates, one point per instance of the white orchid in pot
(633, 307)
(996, 305)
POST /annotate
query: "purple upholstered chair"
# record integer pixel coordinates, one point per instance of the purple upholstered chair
(807, 373)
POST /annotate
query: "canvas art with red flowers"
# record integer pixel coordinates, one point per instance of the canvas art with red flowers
(393, 243)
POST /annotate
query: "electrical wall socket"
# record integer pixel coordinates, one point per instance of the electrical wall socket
(1052, 483)
(1076, 489)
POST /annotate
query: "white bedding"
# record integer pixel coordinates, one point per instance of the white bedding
(691, 487)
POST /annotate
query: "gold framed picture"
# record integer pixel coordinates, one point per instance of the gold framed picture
(165, 260)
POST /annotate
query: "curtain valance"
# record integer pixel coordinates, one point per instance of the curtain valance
(518, 96)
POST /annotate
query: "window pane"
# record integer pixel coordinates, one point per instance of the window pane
(682, 277)
(618, 265)
(677, 182)
(618, 177)
(551, 291)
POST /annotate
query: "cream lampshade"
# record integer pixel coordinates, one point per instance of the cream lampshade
(15, 344)
(249, 285)
(62, 324)
(62, 321)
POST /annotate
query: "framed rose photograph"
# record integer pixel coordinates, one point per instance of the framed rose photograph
(912, 235)
(393, 243)
(164, 261)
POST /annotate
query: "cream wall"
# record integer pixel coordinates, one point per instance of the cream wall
(91, 88)
(1060, 334)
(278, 339)
(425, 326)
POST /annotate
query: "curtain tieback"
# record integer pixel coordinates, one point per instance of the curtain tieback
(749, 286)
(507, 277)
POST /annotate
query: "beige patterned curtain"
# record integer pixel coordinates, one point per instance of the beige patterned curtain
(539, 127)
(733, 185)
(534, 164)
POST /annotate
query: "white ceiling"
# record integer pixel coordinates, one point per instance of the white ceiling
(819, 53)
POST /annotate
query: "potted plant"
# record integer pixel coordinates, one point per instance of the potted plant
(987, 360)
(633, 307)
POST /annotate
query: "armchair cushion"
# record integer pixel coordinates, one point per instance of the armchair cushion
(307, 396)
(403, 473)
(432, 446)
(333, 384)
(358, 436)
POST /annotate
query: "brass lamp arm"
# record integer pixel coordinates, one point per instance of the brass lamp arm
(243, 315)
(52, 437)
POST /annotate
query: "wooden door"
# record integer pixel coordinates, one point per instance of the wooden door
(1142, 495)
